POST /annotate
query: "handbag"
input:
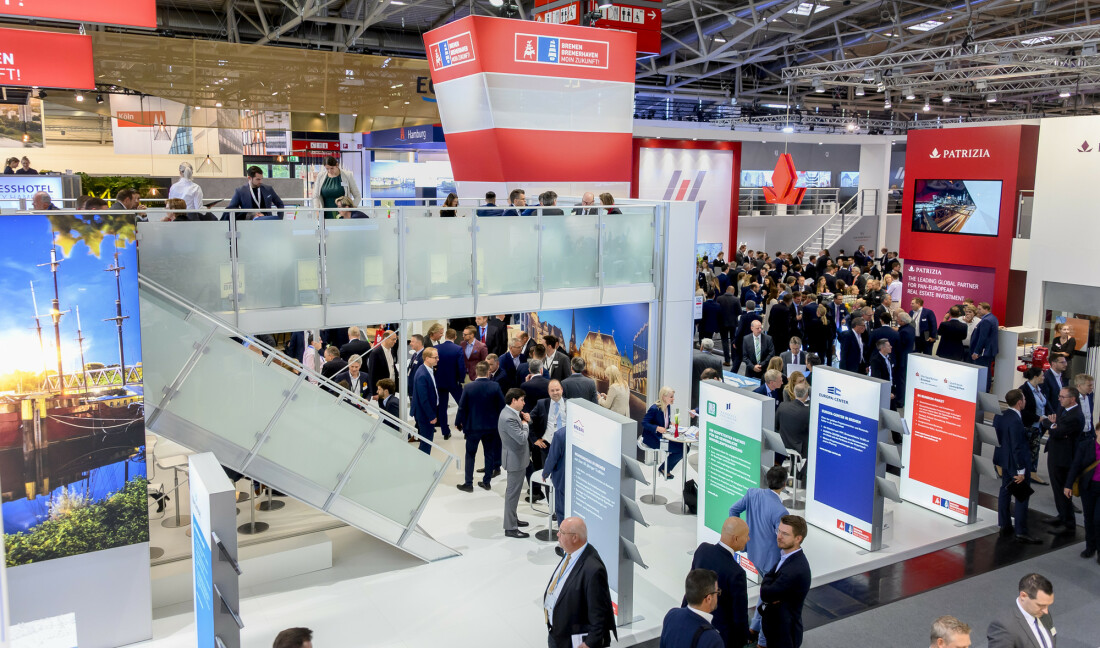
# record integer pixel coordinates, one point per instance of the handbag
(1021, 491)
(1077, 482)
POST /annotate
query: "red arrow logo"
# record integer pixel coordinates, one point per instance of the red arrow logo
(784, 178)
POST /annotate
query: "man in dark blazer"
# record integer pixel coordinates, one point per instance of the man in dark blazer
(882, 367)
(709, 324)
(385, 393)
(354, 379)
(554, 470)
(334, 364)
(381, 362)
(794, 354)
(851, 347)
(510, 363)
(704, 358)
(536, 386)
(744, 327)
(924, 324)
(450, 373)
(473, 351)
(1026, 623)
(355, 345)
(757, 349)
(784, 589)
(983, 342)
(691, 626)
(729, 314)
(1054, 379)
(494, 333)
(526, 345)
(547, 416)
(416, 358)
(496, 372)
(254, 195)
(779, 322)
(952, 332)
(578, 385)
(793, 422)
(425, 399)
(477, 418)
(1014, 459)
(771, 385)
(731, 618)
(1062, 440)
(557, 362)
(577, 599)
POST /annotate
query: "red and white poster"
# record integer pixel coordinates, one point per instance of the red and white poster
(938, 452)
(131, 13)
(943, 285)
(46, 59)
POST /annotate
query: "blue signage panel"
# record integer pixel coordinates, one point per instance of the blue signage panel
(204, 583)
(406, 137)
(13, 187)
(846, 462)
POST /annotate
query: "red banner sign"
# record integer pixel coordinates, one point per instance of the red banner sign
(140, 118)
(135, 13)
(315, 146)
(45, 59)
(642, 17)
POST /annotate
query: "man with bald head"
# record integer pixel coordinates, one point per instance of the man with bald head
(42, 202)
(731, 618)
(577, 600)
(585, 206)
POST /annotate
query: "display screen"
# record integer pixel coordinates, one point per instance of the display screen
(755, 178)
(394, 179)
(957, 206)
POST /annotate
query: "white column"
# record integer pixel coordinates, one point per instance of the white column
(874, 173)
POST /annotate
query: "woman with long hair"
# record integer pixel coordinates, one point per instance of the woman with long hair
(617, 398)
(657, 421)
(450, 201)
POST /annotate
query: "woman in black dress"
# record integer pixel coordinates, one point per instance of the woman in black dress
(1064, 344)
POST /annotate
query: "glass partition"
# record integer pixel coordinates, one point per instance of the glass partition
(628, 246)
(278, 263)
(438, 256)
(390, 480)
(191, 259)
(570, 251)
(167, 341)
(506, 259)
(362, 259)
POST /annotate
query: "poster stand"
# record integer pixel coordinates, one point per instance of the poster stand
(214, 561)
(599, 487)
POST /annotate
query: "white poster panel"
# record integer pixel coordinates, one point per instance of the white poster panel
(144, 125)
(593, 471)
(730, 445)
(840, 489)
(938, 452)
(702, 175)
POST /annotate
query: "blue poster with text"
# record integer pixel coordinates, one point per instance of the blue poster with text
(204, 585)
(845, 472)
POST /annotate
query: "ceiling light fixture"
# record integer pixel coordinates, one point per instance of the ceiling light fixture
(909, 96)
(1064, 92)
(80, 96)
(886, 105)
(99, 98)
(819, 87)
(991, 98)
(860, 91)
(788, 129)
(927, 105)
(946, 98)
(218, 104)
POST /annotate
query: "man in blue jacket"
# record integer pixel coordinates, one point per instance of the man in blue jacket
(731, 611)
(983, 342)
(425, 399)
(690, 627)
(478, 412)
(1014, 457)
(254, 195)
(449, 376)
(763, 508)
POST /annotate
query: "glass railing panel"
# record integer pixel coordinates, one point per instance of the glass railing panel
(361, 258)
(505, 255)
(191, 259)
(438, 254)
(279, 264)
(390, 480)
(231, 393)
(628, 246)
(167, 341)
(320, 457)
(570, 251)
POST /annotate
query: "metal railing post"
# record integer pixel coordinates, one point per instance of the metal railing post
(234, 270)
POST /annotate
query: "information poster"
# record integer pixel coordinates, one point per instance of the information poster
(844, 413)
(730, 445)
(938, 452)
(593, 465)
(203, 564)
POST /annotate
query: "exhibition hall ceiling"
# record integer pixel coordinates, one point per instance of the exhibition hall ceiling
(749, 57)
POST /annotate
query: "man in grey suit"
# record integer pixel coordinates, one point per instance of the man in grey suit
(757, 349)
(1028, 623)
(513, 427)
(795, 356)
(578, 385)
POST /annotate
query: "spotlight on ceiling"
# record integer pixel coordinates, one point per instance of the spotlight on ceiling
(927, 106)
(819, 87)
(946, 98)
(80, 96)
(991, 98)
(1065, 92)
(42, 94)
(887, 105)
(99, 98)
(788, 129)
(508, 9)
(859, 91)
(496, 3)
(909, 96)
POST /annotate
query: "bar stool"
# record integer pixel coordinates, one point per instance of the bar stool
(652, 457)
(270, 504)
(252, 526)
(549, 534)
(797, 463)
(176, 463)
(154, 489)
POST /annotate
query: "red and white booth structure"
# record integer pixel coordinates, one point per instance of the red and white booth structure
(534, 105)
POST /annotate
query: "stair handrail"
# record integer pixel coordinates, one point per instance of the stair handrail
(341, 393)
(845, 210)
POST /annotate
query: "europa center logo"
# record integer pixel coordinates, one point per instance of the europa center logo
(833, 391)
(712, 408)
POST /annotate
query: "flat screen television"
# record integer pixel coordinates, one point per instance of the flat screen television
(970, 207)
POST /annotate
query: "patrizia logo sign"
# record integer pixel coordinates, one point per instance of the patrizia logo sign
(783, 190)
(946, 154)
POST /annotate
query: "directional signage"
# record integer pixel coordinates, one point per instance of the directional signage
(453, 51)
(642, 17)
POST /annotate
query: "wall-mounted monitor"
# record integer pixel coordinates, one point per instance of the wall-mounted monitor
(957, 207)
(755, 178)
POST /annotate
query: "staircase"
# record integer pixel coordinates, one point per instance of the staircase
(850, 213)
(213, 388)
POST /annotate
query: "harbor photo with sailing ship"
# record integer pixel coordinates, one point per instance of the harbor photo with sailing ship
(72, 427)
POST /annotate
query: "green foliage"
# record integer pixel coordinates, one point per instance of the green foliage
(121, 519)
(71, 229)
(106, 187)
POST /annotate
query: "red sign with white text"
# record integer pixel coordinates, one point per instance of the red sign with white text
(314, 145)
(452, 51)
(46, 59)
(140, 118)
(133, 13)
(942, 448)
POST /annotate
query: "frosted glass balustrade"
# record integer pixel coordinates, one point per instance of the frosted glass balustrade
(628, 246)
(390, 480)
(167, 341)
(190, 259)
(361, 259)
(506, 260)
(279, 264)
(570, 251)
(437, 256)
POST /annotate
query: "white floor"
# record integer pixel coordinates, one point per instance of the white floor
(376, 595)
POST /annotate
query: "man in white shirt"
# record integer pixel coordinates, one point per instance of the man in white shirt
(893, 287)
(1028, 623)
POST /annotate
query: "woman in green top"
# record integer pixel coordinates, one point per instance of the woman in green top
(334, 183)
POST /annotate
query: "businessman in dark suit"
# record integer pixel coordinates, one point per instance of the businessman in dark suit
(1054, 379)
(712, 313)
(425, 400)
(494, 333)
(355, 345)
(704, 358)
(450, 373)
(1062, 441)
(1027, 622)
(1014, 458)
(254, 195)
(729, 314)
(784, 589)
(781, 320)
(691, 626)
(1083, 472)
(510, 363)
(744, 327)
(381, 362)
(416, 358)
(536, 386)
(731, 618)
(578, 385)
(794, 354)
(882, 367)
(557, 362)
(983, 342)
(547, 417)
(496, 372)
(952, 332)
(577, 599)
(793, 420)
(851, 347)
(757, 349)
(771, 385)
(334, 364)
(354, 379)
(385, 390)
(478, 415)
(924, 324)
